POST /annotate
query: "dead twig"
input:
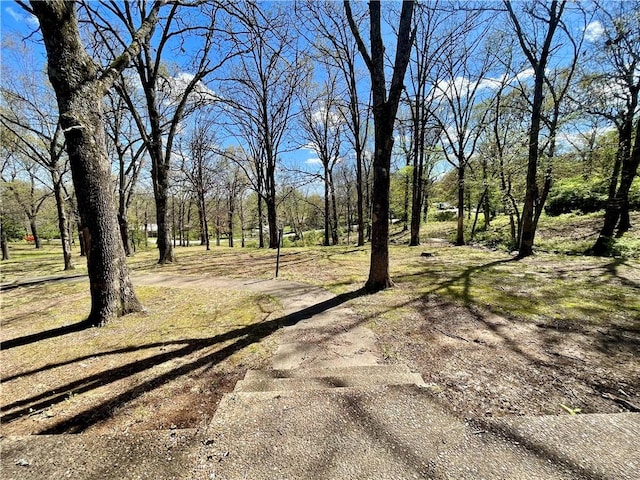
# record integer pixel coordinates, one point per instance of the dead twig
(625, 403)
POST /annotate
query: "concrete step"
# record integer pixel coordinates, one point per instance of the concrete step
(324, 382)
(386, 432)
(390, 432)
(326, 372)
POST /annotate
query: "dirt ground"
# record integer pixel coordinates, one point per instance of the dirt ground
(483, 364)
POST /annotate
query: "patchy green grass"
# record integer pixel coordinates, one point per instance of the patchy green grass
(177, 357)
(28, 262)
(542, 288)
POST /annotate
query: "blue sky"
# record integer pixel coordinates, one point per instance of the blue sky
(18, 24)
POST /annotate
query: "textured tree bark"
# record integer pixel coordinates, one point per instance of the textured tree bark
(4, 243)
(384, 115)
(79, 91)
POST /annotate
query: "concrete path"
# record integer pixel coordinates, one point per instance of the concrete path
(328, 409)
(326, 332)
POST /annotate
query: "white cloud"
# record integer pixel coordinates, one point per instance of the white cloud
(524, 75)
(176, 85)
(492, 83)
(593, 31)
(313, 161)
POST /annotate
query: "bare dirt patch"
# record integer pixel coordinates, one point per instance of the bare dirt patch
(482, 364)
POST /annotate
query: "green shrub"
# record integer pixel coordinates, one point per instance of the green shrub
(444, 216)
(584, 196)
(576, 195)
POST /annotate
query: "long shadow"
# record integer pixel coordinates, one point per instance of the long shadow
(464, 276)
(613, 269)
(244, 336)
(37, 337)
(40, 281)
(51, 366)
(537, 448)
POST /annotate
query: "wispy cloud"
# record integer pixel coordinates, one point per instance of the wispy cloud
(175, 87)
(22, 17)
(593, 31)
(313, 161)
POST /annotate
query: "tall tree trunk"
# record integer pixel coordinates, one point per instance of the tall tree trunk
(33, 226)
(160, 174)
(204, 224)
(418, 170)
(81, 240)
(62, 223)
(230, 220)
(4, 243)
(201, 219)
(528, 231)
(79, 92)
(334, 211)
(123, 224)
(416, 195)
(616, 205)
(242, 240)
(538, 61)
(327, 215)
(260, 222)
(379, 268)
(461, 182)
(360, 198)
(384, 115)
(272, 220)
(405, 206)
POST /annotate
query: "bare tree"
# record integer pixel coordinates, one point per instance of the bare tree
(423, 70)
(31, 118)
(503, 141)
(198, 167)
(385, 107)
(129, 152)
(460, 88)
(169, 97)
(339, 50)
(234, 185)
(613, 93)
(22, 177)
(259, 95)
(80, 88)
(322, 125)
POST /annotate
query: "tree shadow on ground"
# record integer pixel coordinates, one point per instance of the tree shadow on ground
(44, 335)
(465, 277)
(241, 337)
